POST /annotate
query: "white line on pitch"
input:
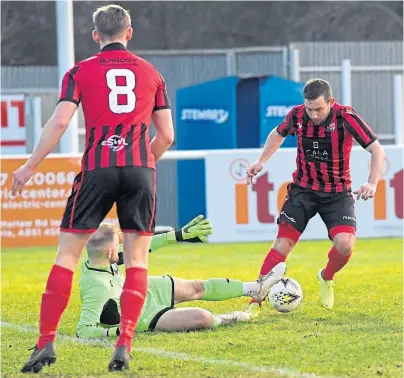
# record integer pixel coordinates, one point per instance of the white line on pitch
(174, 355)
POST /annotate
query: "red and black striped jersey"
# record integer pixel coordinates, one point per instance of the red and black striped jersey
(323, 151)
(118, 91)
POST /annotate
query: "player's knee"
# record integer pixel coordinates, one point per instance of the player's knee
(203, 319)
(344, 243)
(286, 239)
(284, 246)
(198, 288)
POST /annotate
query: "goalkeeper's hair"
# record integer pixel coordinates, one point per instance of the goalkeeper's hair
(111, 21)
(104, 235)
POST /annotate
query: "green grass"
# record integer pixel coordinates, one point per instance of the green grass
(361, 337)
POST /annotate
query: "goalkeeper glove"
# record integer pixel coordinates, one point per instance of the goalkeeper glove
(195, 231)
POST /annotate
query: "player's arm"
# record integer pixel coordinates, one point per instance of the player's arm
(52, 133)
(376, 162)
(272, 144)
(365, 136)
(92, 303)
(163, 121)
(196, 231)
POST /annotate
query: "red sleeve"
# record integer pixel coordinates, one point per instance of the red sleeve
(70, 89)
(161, 99)
(287, 127)
(356, 126)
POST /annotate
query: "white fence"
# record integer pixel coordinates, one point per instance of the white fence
(373, 67)
(345, 70)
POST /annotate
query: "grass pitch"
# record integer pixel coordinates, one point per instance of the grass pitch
(361, 337)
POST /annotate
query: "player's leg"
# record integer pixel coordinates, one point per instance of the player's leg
(299, 207)
(296, 212)
(186, 319)
(86, 207)
(164, 291)
(339, 216)
(136, 213)
(215, 289)
(221, 289)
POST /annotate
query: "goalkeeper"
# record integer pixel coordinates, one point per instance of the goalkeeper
(101, 286)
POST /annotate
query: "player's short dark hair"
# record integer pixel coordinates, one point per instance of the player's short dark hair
(111, 20)
(315, 88)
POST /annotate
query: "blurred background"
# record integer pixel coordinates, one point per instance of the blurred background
(357, 46)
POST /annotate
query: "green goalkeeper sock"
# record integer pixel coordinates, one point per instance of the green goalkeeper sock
(220, 289)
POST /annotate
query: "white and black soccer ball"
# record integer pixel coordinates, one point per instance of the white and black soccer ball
(286, 295)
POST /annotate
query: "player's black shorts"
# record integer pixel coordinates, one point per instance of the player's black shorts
(335, 209)
(133, 189)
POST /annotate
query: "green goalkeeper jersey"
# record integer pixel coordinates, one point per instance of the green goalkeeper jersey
(100, 290)
(100, 287)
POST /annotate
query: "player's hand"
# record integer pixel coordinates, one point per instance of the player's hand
(253, 171)
(197, 230)
(365, 191)
(20, 178)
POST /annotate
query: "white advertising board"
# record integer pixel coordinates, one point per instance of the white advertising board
(248, 213)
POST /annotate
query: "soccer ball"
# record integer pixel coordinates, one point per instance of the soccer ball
(286, 295)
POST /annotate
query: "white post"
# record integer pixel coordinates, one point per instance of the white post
(285, 62)
(231, 64)
(346, 82)
(65, 46)
(36, 119)
(398, 110)
(294, 65)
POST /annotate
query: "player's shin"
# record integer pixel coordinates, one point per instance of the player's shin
(336, 261)
(343, 238)
(286, 239)
(272, 259)
(132, 300)
(220, 289)
(54, 302)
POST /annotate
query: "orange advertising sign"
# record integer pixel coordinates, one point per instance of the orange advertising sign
(33, 218)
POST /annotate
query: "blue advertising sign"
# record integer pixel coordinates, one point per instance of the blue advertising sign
(206, 115)
(277, 97)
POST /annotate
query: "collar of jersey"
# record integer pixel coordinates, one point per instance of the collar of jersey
(329, 118)
(113, 46)
(107, 269)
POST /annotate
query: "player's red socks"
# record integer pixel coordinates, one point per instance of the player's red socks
(132, 300)
(272, 259)
(336, 261)
(54, 302)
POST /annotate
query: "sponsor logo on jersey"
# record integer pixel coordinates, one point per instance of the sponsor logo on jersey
(115, 143)
(330, 128)
(118, 60)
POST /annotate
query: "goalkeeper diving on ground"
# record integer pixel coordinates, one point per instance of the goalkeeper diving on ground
(101, 285)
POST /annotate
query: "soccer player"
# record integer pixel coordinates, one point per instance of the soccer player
(321, 182)
(101, 286)
(120, 93)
